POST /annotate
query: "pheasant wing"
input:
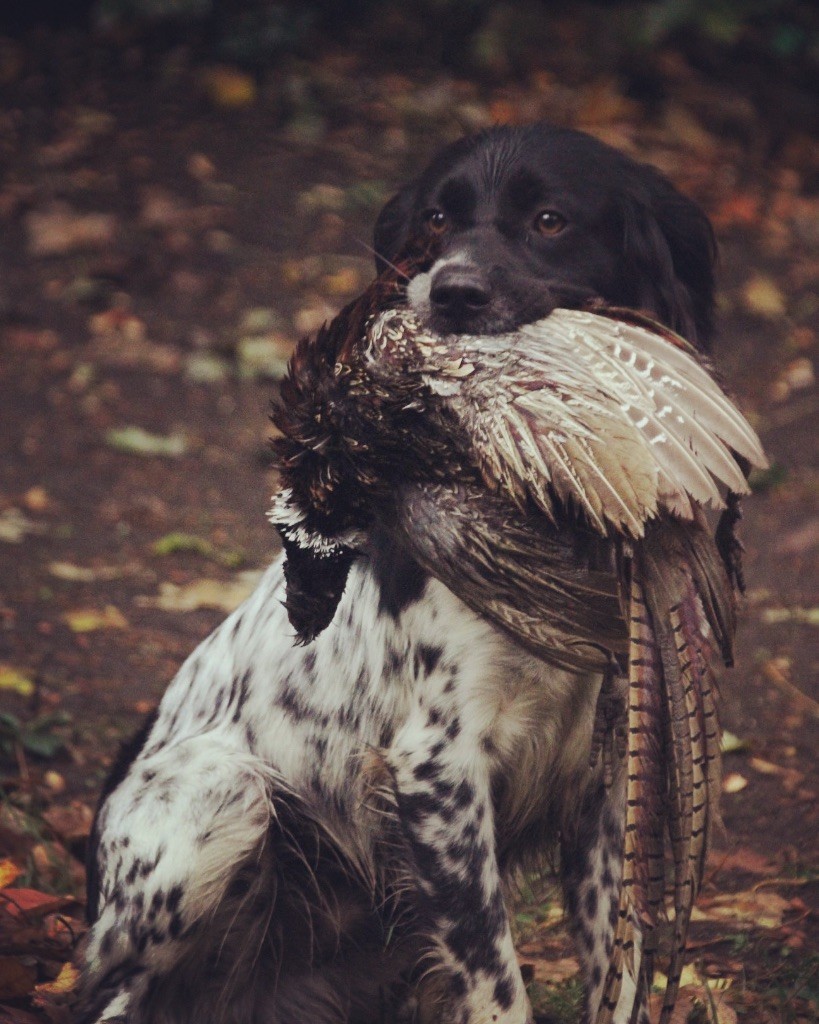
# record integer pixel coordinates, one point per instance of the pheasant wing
(612, 417)
(554, 591)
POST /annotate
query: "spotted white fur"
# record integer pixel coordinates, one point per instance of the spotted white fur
(258, 759)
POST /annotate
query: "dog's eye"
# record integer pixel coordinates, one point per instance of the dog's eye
(437, 221)
(549, 222)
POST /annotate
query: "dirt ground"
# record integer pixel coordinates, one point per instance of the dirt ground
(169, 227)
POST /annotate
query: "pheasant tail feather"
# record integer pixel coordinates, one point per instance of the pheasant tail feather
(680, 618)
(642, 885)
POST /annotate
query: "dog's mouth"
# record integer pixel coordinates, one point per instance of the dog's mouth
(457, 298)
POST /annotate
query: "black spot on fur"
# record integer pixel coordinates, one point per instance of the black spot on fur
(504, 992)
(394, 662)
(174, 898)
(128, 753)
(428, 658)
(457, 985)
(427, 770)
(464, 794)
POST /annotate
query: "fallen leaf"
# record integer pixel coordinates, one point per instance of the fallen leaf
(764, 767)
(762, 295)
(137, 441)
(9, 872)
(86, 620)
(60, 229)
(65, 982)
(712, 1003)
(800, 541)
(320, 196)
(55, 865)
(791, 778)
(83, 574)
(16, 682)
(54, 781)
(205, 593)
(70, 821)
(310, 318)
(228, 87)
(799, 374)
(264, 356)
(742, 859)
(747, 909)
(200, 167)
(175, 542)
(734, 783)
(343, 282)
(261, 320)
(163, 209)
(15, 526)
(739, 208)
(32, 903)
(731, 744)
(802, 616)
(36, 499)
(203, 368)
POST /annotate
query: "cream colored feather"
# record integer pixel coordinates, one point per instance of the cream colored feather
(606, 416)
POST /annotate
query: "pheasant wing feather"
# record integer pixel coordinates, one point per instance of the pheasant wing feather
(614, 418)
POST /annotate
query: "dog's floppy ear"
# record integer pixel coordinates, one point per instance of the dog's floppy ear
(670, 254)
(392, 227)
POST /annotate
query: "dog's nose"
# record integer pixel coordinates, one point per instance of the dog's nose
(459, 292)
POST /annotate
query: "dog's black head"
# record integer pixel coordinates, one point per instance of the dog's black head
(531, 218)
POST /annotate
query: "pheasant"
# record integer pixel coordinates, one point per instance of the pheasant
(555, 479)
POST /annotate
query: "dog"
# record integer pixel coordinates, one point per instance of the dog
(272, 846)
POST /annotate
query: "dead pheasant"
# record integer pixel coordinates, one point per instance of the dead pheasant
(554, 479)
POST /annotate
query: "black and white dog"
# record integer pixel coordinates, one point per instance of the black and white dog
(275, 847)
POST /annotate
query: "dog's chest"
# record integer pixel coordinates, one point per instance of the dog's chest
(402, 658)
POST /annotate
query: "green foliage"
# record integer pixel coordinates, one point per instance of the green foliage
(560, 1004)
(37, 736)
(176, 542)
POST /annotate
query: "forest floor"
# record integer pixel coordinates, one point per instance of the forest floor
(170, 227)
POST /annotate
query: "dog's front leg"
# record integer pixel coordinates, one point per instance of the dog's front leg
(442, 789)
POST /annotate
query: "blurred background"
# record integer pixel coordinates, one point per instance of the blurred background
(186, 187)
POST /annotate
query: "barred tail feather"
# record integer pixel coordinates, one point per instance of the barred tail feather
(681, 615)
(643, 882)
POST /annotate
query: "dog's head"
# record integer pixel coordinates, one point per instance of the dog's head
(527, 219)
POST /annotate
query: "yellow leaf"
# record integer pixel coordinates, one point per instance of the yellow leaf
(763, 296)
(749, 909)
(9, 872)
(228, 87)
(204, 593)
(85, 620)
(734, 783)
(64, 983)
(11, 679)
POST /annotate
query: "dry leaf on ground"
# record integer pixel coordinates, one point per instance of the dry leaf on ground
(205, 593)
